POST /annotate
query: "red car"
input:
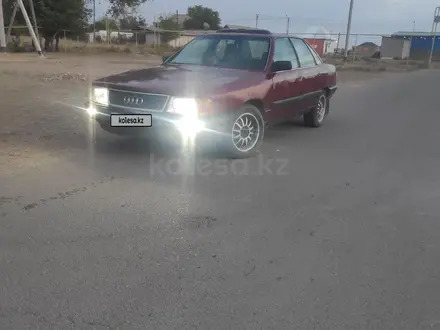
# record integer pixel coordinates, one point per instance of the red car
(228, 85)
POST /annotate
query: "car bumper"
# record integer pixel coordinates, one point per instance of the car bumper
(161, 122)
(332, 90)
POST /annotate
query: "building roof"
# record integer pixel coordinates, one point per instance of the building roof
(367, 44)
(313, 38)
(413, 34)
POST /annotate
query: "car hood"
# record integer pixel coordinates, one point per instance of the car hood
(180, 80)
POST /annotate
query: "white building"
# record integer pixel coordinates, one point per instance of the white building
(103, 34)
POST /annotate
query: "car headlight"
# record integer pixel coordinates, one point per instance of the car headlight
(100, 95)
(184, 106)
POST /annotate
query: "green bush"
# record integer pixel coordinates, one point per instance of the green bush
(13, 47)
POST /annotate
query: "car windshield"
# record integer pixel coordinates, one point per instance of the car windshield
(231, 51)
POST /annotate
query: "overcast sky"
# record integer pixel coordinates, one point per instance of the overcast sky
(369, 16)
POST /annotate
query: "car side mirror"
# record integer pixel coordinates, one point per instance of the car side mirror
(165, 58)
(281, 66)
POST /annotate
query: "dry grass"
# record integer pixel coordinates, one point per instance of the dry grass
(72, 46)
(367, 64)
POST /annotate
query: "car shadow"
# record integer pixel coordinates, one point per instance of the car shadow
(285, 129)
(132, 147)
(152, 158)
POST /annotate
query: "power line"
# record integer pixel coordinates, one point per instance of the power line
(273, 17)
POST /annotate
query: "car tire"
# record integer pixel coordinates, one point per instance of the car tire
(315, 117)
(251, 121)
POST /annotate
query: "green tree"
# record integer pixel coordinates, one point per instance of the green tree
(132, 23)
(8, 6)
(168, 22)
(121, 8)
(200, 16)
(54, 16)
(101, 24)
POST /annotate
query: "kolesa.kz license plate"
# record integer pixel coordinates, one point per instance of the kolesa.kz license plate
(131, 120)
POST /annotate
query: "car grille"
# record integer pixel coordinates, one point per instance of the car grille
(134, 100)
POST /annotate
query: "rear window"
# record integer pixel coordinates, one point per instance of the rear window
(306, 59)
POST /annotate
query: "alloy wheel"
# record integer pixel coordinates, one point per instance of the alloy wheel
(246, 132)
(321, 108)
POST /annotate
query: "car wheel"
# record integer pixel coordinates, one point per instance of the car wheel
(243, 133)
(315, 117)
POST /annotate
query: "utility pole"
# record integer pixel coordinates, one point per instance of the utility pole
(29, 25)
(34, 18)
(288, 24)
(256, 21)
(2, 30)
(11, 20)
(347, 38)
(107, 29)
(154, 31)
(410, 42)
(354, 49)
(434, 32)
(34, 33)
(94, 20)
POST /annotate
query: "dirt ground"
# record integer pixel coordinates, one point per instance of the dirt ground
(38, 96)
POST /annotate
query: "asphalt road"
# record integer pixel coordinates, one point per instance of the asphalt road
(341, 230)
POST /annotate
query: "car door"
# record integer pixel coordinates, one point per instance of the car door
(322, 78)
(284, 94)
(310, 87)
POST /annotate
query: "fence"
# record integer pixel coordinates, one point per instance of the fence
(359, 45)
(178, 38)
(323, 43)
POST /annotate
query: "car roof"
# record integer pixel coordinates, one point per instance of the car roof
(252, 32)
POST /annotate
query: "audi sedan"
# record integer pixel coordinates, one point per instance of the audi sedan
(227, 86)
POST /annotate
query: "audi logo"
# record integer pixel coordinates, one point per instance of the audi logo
(133, 100)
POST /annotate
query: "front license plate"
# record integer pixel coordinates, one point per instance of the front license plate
(131, 120)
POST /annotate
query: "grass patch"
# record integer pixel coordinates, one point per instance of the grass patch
(71, 46)
(79, 47)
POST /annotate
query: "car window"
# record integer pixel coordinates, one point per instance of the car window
(235, 52)
(305, 56)
(258, 49)
(285, 52)
(221, 47)
(198, 46)
(315, 55)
